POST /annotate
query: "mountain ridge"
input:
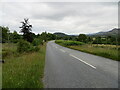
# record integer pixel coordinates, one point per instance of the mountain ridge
(113, 32)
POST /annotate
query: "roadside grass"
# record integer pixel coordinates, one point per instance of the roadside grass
(0, 76)
(68, 42)
(9, 49)
(0, 66)
(108, 51)
(25, 70)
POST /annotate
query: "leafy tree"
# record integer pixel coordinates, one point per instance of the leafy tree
(65, 38)
(82, 37)
(38, 35)
(23, 46)
(37, 41)
(51, 36)
(97, 40)
(44, 36)
(89, 39)
(5, 34)
(26, 30)
(14, 37)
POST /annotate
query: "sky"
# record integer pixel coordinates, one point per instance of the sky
(67, 17)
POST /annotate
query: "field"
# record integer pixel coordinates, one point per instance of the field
(108, 51)
(22, 70)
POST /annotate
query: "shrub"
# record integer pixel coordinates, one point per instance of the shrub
(36, 48)
(5, 53)
(24, 46)
(9, 49)
(69, 43)
(37, 42)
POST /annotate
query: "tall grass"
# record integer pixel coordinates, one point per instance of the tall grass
(24, 71)
(0, 66)
(107, 51)
(0, 75)
(9, 49)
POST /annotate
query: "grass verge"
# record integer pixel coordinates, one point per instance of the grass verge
(25, 70)
(108, 52)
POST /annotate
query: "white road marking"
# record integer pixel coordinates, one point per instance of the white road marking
(83, 61)
(62, 50)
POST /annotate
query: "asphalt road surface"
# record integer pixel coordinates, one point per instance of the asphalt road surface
(68, 68)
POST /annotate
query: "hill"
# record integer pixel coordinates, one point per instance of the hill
(112, 32)
(60, 34)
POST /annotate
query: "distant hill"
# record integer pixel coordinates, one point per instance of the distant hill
(60, 34)
(112, 32)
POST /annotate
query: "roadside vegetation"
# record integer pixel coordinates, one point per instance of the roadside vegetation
(102, 45)
(68, 43)
(23, 70)
(108, 51)
(23, 57)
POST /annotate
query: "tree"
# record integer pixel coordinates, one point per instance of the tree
(26, 30)
(89, 39)
(82, 37)
(14, 37)
(97, 40)
(5, 34)
(51, 36)
(44, 36)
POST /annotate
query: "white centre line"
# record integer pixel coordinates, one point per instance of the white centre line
(62, 50)
(83, 61)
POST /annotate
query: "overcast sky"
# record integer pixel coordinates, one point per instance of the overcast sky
(67, 17)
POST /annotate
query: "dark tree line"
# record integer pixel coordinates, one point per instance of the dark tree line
(113, 40)
(29, 36)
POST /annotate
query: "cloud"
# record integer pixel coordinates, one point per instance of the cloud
(59, 0)
(69, 17)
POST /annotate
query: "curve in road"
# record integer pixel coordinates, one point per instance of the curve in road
(68, 68)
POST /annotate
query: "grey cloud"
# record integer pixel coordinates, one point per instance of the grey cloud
(71, 18)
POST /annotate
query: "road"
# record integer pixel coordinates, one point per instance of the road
(68, 68)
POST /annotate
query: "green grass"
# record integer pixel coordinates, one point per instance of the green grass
(25, 70)
(0, 66)
(100, 50)
(0, 75)
(68, 42)
(9, 50)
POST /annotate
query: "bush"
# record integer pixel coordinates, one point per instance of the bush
(24, 46)
(37, 42)
(9, 49)
(6, 53)
(36, 48)
(69, 43)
